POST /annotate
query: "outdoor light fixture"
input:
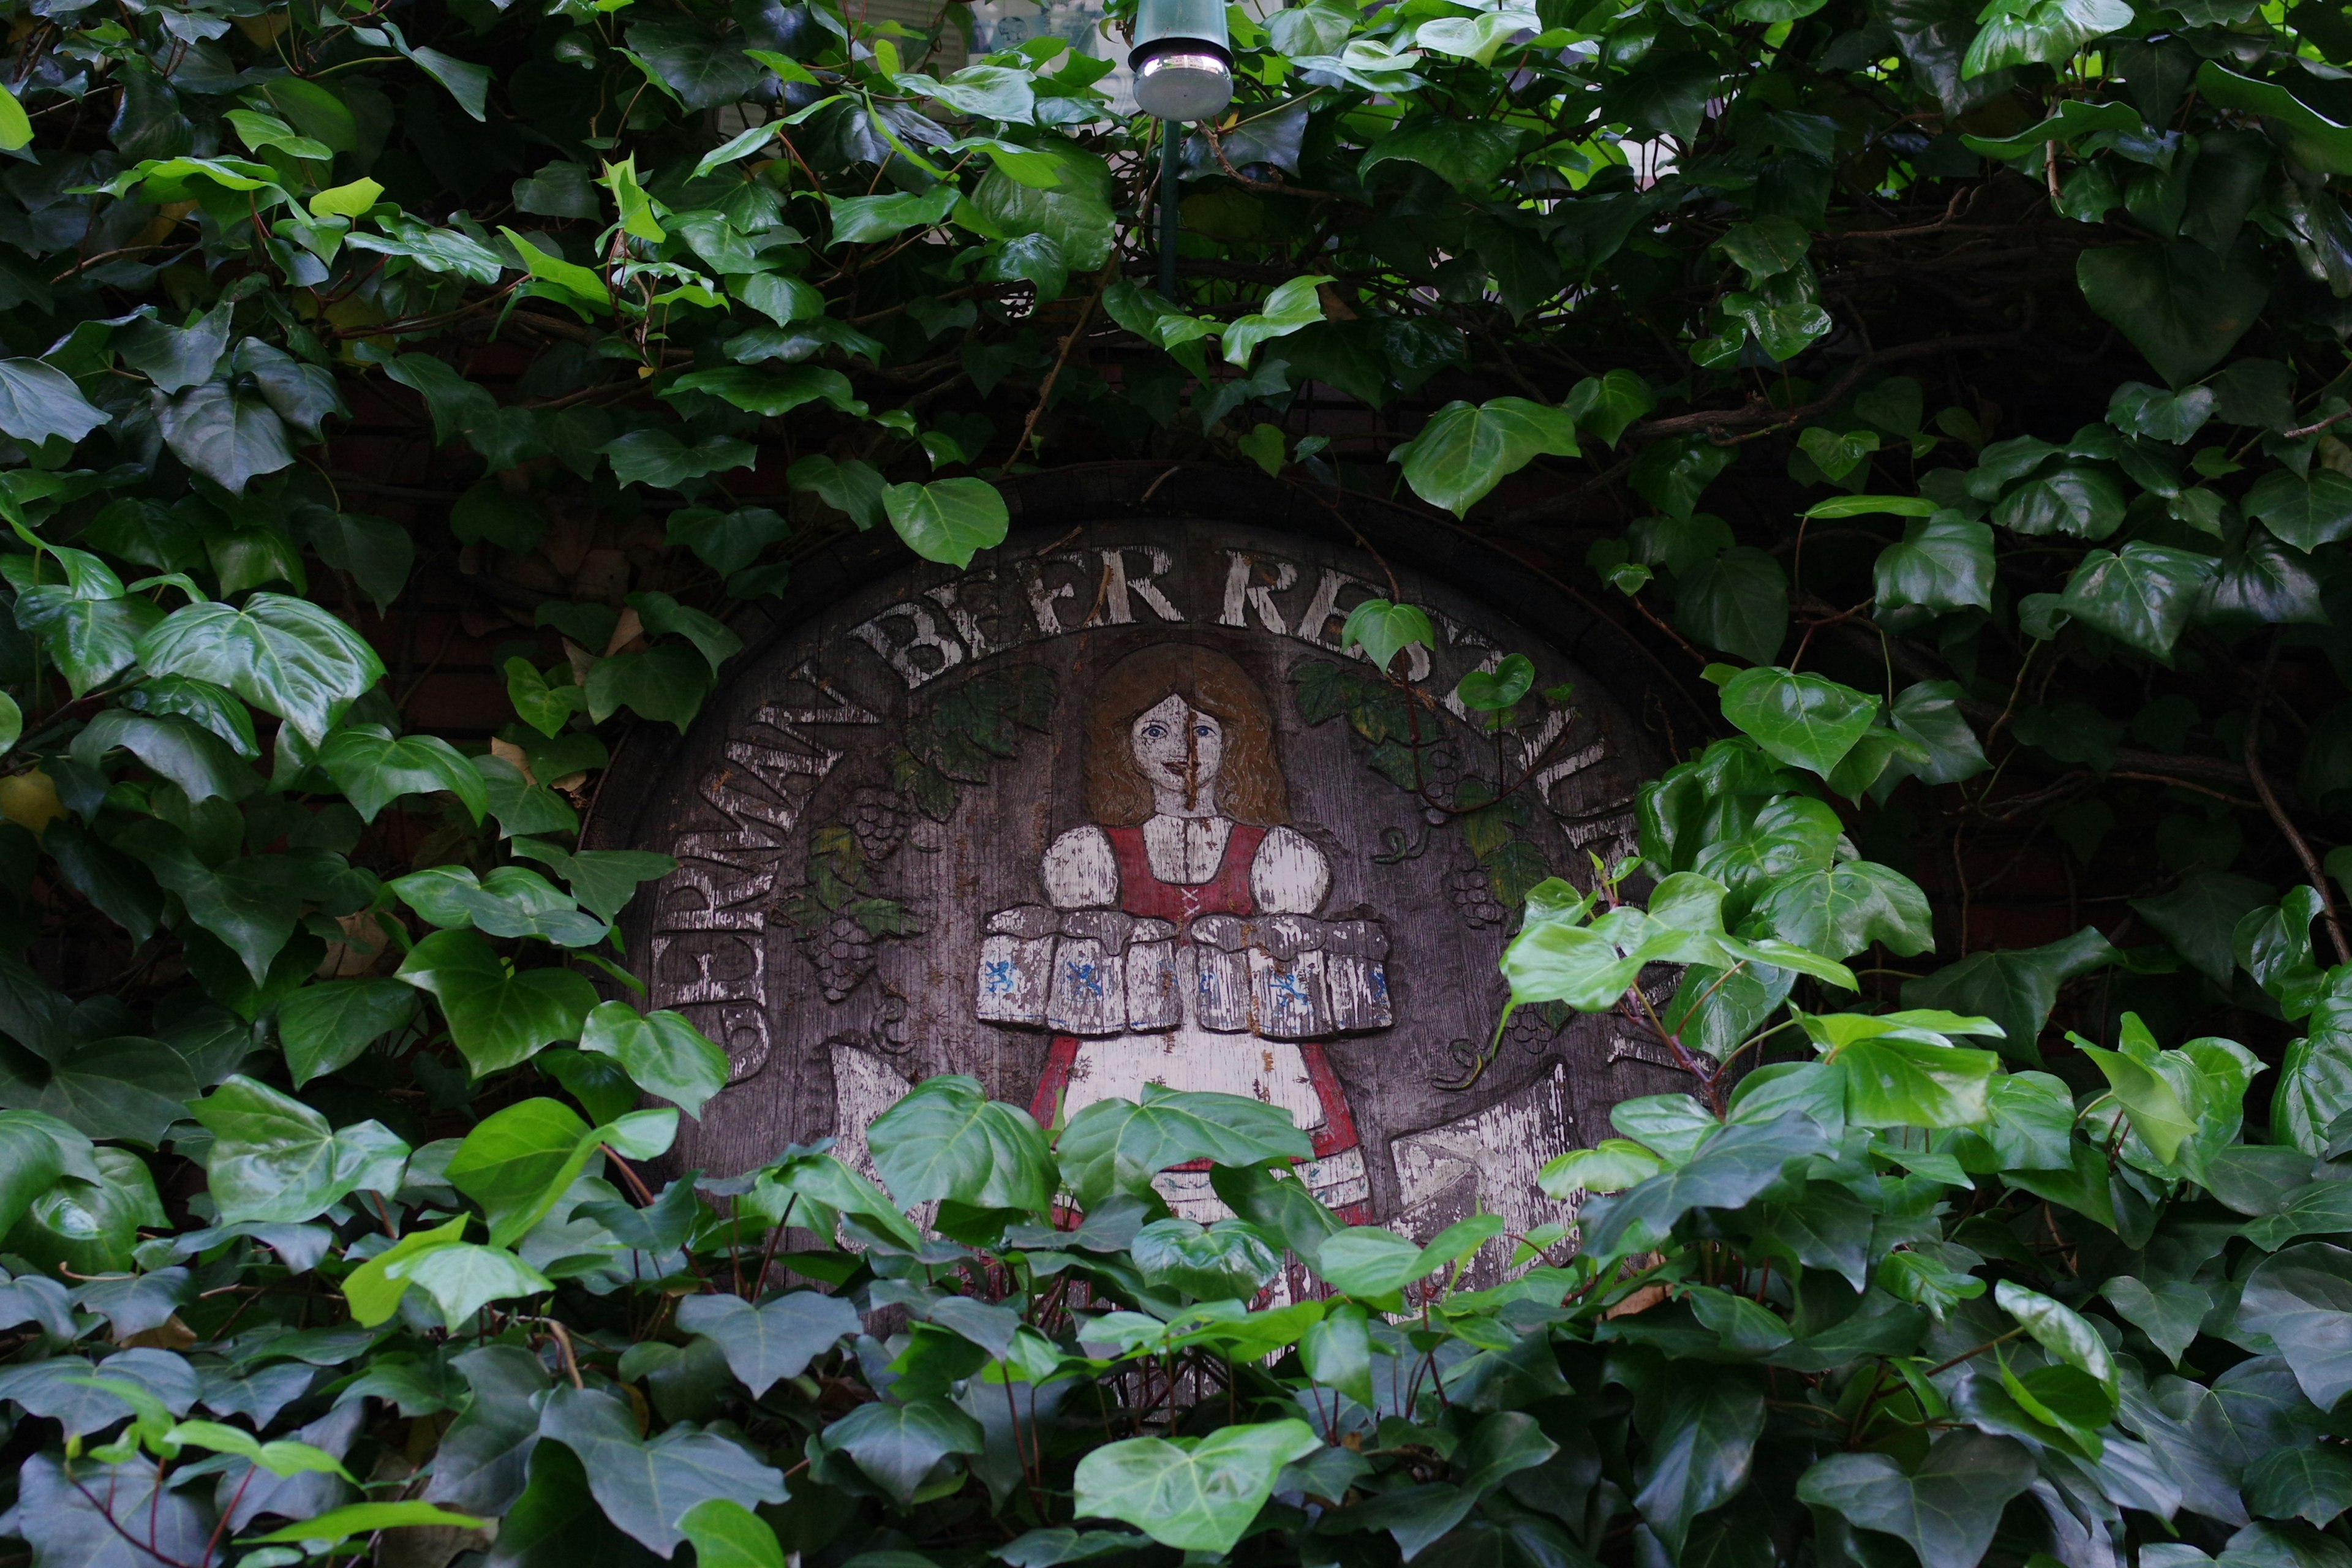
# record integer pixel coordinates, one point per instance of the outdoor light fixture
(1183, 65)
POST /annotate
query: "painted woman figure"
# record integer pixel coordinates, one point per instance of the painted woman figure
(1181, 945)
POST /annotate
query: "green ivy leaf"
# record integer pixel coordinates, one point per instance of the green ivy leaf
(1386, 630)
(373, 769)
(1738, 602)
(1467, 449)
(946, 1139)
(1806, 721)
(1944, 562)
(2305, 512)
(898, 1444)
(324, 1027)
(498, 1017)
(949, 520)
(1193, 1494)
(2142, 594)
(1947, 1507)
(275, 1159)
(1117, 1145)
(2181, 305)
(663, 1052)
(283, 655)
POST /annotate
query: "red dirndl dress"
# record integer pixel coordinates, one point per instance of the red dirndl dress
(1143, 894)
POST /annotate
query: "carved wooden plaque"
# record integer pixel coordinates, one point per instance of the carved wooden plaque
(1113, 808)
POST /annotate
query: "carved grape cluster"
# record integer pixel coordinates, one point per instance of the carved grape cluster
(1473, 892)
(843, 955)
(879, 818)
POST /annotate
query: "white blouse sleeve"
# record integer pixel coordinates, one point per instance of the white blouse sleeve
(1290, 875)
(1080, 871)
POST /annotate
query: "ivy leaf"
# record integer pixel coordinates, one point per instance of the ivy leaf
(1946, 1508)
(2057, 1327)
(283, 655)
(2148, 1098)
(2016, 988)
(40, 402)
(1806, 721)
(510, 902)
(1291, 306)
(200, 763)
(2138, 409)
(228, 437)
(2181, 305)
(461, 1279)
(2305, 512)
(2142, 594)
(1386, 630)
(726, 1535)
(851, 485)
(1699, 1453)
(16, 125)
(1610, 1165)
(518, 1161)
(2046, 32)
(603, 880)
(1738, 602)
(1895, 1082)
(703, 70)
(2312, 139)
(1075, 213)
(1194, 1494)
(69, 1511)
(948, 520)
(498, 1018)
(325, 1026)
(657, 458)
(666, 682)
(1840, 911)
(124, 1088)
(864, 220)
(377, 554)
(662, 1052)
(1466, 449)
(726, 541)
(1466, 153)
(2200, 918)
(1368, 1261)
(2301, 1297)
(2078, 501)
(1606, 404)
(1117, 1145)
(373, 769)
(946, 1139)
(898, 1444)
(772, 394)
(2310, 1481)
(764, 1345)
(275, 1159)
(1944, 562)
(1730, 1168)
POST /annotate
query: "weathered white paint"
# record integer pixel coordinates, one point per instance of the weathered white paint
(864, 1087)
(1081, 872)
(1190, 1058)
(1486, 1163)
(1289, 876)
(1186, 850)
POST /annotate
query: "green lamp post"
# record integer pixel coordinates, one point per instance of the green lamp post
(1184, 65)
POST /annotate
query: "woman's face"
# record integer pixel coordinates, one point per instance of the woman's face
(1178, 748)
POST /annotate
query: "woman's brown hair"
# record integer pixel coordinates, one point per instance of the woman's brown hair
(1249, 786)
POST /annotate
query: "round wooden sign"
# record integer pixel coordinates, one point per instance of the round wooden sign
(1113, 808)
